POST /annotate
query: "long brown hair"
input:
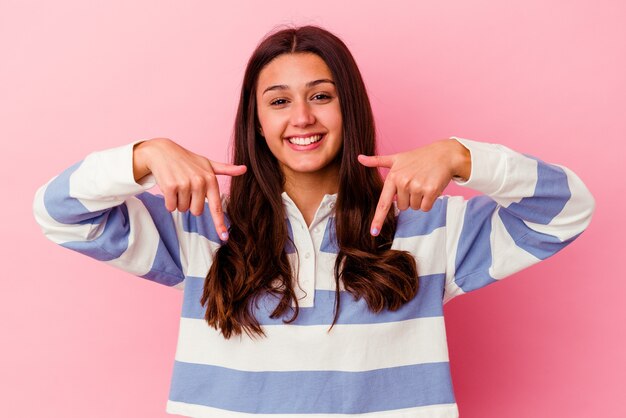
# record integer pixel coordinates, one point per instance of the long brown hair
(253, 261)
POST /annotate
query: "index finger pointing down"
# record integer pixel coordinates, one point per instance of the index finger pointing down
(215, 206)
(384, 204)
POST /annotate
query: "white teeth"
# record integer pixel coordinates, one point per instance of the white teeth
(305, 141)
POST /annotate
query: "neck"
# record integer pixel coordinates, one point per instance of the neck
(308, 189)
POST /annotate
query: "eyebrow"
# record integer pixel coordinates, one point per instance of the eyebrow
(308, 85)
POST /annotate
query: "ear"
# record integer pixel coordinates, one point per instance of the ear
(260, 129)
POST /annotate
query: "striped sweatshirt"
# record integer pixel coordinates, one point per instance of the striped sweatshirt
(385, 365)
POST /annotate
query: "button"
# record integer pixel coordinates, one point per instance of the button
(316, 230)
(307, 255)
(331, 205)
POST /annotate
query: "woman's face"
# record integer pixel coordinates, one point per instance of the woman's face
(299, 112)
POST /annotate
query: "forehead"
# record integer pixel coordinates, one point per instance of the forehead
(293, 70)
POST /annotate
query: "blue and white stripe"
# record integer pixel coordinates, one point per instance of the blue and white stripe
(386, 365)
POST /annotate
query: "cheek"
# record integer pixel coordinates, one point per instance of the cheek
(272, 125)
(333, 118)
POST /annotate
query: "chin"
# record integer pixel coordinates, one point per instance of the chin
(308, 165)
(306, 168)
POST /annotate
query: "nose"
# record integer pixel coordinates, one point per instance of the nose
(302, 114)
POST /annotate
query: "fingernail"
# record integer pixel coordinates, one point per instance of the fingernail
(224, 236)
(374, 231)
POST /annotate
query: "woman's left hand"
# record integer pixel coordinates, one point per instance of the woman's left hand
(418, 177)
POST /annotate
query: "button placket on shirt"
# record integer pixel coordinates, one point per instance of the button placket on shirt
(306, 261)
(308, 241)
(305, 292)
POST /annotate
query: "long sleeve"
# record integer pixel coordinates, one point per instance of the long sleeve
(530, 210)
(96, 208)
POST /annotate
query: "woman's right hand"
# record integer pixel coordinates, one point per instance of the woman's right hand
(185, 178)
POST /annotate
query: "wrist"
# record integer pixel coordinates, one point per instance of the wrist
(140, 160)
(461, 160)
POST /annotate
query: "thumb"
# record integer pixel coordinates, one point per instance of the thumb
(228, 169)
(376, 160)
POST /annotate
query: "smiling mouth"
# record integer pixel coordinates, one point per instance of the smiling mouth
(307, 140)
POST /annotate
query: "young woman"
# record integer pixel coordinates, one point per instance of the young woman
(309, 289)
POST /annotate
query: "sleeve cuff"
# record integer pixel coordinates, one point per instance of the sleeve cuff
(489, 165)
(113, 172)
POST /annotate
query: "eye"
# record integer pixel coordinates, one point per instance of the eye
(321, 96)
(278, 102)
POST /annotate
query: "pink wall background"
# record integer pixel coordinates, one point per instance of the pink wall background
(82, 339)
